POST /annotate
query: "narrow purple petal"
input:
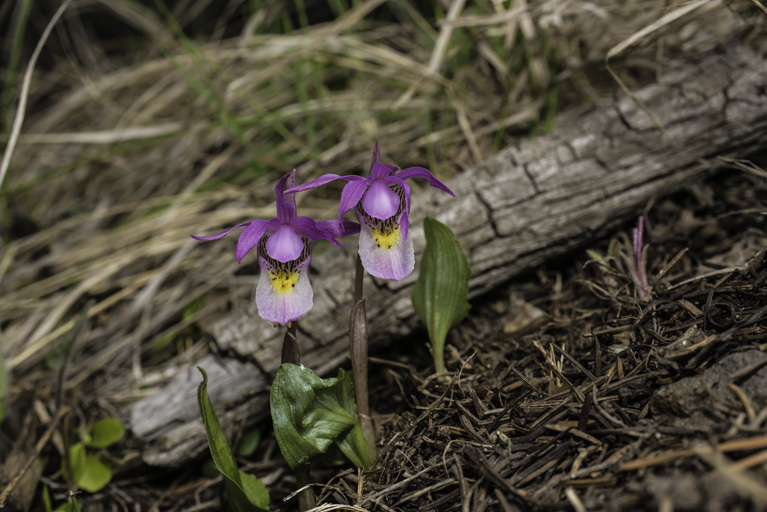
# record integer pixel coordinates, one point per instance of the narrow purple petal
(283, 295)
(249, 238)
(284, 245)
(222, 234)
(379, 170)
(350, 196)
(380, 201)
(326, 178)
(420, 172)
(307, 226)
(385, 255)
(404, 225)
(394, 180)
(339, 228)
(286, 203)
(376, 155)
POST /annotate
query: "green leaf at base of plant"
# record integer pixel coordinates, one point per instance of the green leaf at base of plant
(105, 432)
(440, 293)
(243, 494)
(76, 462)
(255, 490)
(248, 443)
(95, 476)
(316, 417)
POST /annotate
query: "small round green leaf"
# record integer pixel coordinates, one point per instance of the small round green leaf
(105, 432)
(248, 443)
(95, 474)
(76, 462)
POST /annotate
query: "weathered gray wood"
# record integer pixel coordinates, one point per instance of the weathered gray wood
(537, 200)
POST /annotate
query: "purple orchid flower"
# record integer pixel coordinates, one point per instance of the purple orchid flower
(283, 293)
(382, 205)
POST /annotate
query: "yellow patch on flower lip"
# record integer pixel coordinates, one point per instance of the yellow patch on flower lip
(283, 281)
(384, 237)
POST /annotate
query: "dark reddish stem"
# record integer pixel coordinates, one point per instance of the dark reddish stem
(291, 354)
(358, 352)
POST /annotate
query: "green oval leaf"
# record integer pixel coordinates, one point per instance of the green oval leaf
(440, 293)
(312, 415)
(95, 474)
(76, 462)
(105, 432)
(243, 496)
(255, 490)
(248, 443)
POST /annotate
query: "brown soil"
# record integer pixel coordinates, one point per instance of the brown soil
(641, 403)
(654, 403)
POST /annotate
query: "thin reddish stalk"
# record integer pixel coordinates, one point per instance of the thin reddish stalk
(358, 352)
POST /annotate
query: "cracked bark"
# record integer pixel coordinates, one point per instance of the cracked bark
(539, 199)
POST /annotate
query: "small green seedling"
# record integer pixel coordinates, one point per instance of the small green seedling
(440, 293)
(89, 472)
(71, 506)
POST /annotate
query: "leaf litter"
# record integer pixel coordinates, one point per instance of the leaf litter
(599, 400)
(632, 405)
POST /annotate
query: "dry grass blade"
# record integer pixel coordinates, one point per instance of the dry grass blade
(664, 21)
(18, 121)
(641, 35)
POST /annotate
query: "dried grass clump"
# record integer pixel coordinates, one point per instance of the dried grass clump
(121, 158)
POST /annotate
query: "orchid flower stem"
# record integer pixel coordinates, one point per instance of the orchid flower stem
(291, 354)
(358, 351)
(358, 275)
(290, 351)
(306, 498)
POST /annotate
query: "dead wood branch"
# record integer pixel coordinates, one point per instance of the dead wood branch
(529, 203)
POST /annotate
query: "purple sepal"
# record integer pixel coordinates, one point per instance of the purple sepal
(286, 203)
(307, 226)
(420, 172)
(376, 154)
(404, 223)
(249, 238)
(339, 228)
(318, 182)
(350, 196)
(220, 235)
(379, 171)
(402, 183)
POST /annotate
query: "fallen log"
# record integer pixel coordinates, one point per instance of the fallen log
(537, 200)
